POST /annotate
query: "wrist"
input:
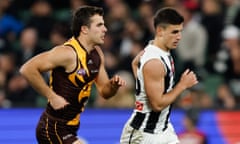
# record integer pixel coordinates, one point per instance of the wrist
(50, 94)
(180, 86)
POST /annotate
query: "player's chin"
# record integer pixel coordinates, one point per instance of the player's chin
(174, 47)
(100, 42)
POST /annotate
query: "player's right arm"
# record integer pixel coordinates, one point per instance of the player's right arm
(32, 69)
(154, 74)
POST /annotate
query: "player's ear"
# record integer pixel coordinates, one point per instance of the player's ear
(84, 29)
(159, 31)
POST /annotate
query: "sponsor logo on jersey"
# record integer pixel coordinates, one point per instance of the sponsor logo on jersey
(94, 71)
(90, 61)
(67, 136)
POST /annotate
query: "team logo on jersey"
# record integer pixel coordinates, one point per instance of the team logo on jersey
(81, 72)
(138, 105)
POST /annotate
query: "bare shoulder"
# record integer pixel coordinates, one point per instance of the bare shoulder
(63, 50)
(154, 68)
(60, 56)
(57, 56)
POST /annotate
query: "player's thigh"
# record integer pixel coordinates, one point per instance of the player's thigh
(130, 136)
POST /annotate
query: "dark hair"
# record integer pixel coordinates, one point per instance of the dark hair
(166, 16)
(82, 17)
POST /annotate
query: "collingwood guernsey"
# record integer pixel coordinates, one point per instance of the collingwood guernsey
(143, 117)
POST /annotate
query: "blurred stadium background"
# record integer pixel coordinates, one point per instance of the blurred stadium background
(210, 46)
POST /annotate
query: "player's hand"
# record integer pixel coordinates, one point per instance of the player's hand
(78, 142)
(116, 82)
(188, 79)
(57, 102)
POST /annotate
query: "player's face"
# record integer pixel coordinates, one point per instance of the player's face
(97, 30)
(172, 36)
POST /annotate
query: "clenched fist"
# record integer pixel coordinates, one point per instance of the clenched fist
(188, 79)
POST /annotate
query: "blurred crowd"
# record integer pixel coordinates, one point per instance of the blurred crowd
(210, 46)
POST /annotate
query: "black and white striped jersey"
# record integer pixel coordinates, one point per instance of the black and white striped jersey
(143, 117)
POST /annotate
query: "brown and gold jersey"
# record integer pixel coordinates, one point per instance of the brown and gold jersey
(75, 86)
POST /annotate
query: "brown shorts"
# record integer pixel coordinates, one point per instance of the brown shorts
(54, 131)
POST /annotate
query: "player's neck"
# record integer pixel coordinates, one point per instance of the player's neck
(159, 44)
(88, 46)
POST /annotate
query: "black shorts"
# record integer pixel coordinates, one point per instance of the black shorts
(54, 131)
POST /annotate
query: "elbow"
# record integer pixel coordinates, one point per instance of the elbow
(133, 64)
(157, 107)
(23, 70)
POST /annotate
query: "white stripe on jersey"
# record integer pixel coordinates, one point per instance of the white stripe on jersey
(143, 118)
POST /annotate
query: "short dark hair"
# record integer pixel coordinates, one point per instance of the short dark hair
(166, 16)
(82, 17)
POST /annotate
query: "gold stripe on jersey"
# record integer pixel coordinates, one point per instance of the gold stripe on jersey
(58, 137)
(85, 92)
(74, 121)
(82, 57)
(46, 128)
(50, 80)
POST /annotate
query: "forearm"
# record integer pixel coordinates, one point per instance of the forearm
(36, 80)
(109, 90)
(172, 95)
(188, 79)
(168, 98)
(155, 89)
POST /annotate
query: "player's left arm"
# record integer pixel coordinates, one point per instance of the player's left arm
(135, 63)
(105, 86)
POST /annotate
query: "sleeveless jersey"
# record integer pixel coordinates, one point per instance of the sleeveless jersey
(75, 86)
(143, 117)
